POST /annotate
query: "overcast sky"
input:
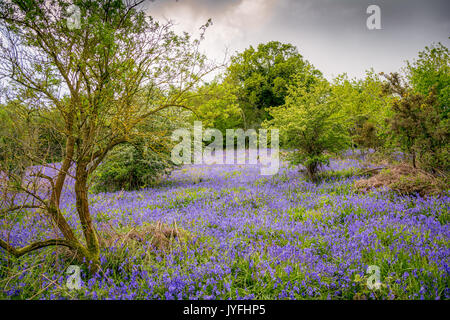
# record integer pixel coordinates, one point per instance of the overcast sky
(331, 34)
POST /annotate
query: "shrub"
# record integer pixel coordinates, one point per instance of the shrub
(146, 160)
(130, 167)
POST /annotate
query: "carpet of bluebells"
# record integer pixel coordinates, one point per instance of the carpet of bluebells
(252, 237)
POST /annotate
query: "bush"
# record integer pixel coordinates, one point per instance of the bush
(130, 167)
(143, 162)
(366, 136)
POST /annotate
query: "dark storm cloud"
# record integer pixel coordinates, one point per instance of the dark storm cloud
(332, 34)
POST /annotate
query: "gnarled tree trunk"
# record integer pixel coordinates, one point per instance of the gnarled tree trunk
(82, 204)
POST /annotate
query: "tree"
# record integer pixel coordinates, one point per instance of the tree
(216, 105)
(104, 79)
(366, 108)
(311, 122)
(262, 76)
(417, 124)
(432, 70)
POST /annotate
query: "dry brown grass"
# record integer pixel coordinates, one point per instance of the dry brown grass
(403, 179)
(161, 236)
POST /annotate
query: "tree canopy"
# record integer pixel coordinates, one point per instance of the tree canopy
(262, 76)
(431, 71)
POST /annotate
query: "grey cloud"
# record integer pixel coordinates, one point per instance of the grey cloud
(331, 34)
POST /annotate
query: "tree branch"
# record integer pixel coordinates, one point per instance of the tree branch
(34, 246)
(11, 209)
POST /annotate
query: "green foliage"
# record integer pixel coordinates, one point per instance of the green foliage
(216, 105)
(144, 161)
(366, 136)
(311, 122)
(130, 167)
(431, 71)
(417, 125)
(347, 173)
(262, 76)
(26, 130)
(302, 214)
(8, 135)
(366, 107)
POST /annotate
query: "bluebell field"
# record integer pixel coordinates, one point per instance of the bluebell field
(252, 237)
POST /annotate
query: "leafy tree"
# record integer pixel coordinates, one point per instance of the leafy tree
(104, 79)
(366, 108)
(432, 70)
(216, 105)
(417, 124)
(311, 122)
(263, 76)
